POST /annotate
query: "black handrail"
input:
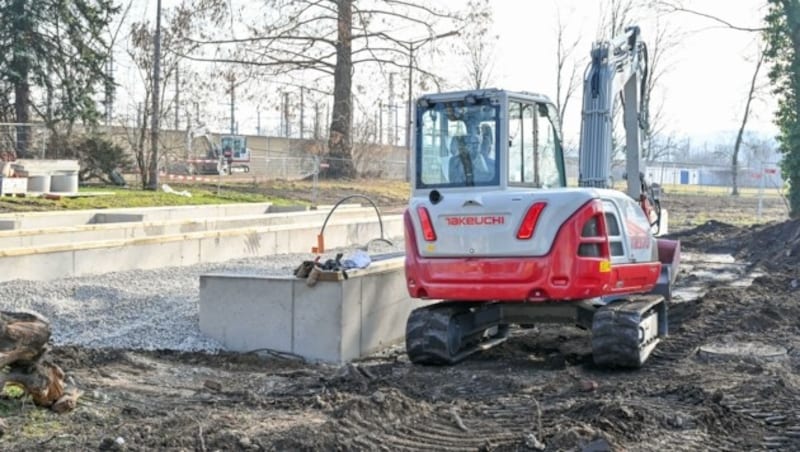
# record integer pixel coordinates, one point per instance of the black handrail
(347, 198)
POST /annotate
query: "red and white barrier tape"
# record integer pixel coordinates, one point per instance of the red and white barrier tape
(189, 178)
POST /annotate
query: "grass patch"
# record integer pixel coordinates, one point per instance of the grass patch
(12, 391)
(121, 198)
(41, 423)
(769, 192)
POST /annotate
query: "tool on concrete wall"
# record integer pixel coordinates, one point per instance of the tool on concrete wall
(320, 247)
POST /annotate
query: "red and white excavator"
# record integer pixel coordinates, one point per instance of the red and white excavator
(493, 231)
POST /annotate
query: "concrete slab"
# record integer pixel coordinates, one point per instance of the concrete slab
(333, 321)
(101, 218)
(318, 325)
(178, 249)
(52, 265)
(232, 310)
(384, 300)
(122, 226)
(41, 220)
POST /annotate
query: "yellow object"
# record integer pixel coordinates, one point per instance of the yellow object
(605, 266)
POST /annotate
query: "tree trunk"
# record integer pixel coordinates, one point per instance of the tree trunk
(20, 67)
(340, 144)
(23, 348)
(22, 93)
(738, 144)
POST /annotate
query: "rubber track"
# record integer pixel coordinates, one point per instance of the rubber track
(427, 334)
(615, 337)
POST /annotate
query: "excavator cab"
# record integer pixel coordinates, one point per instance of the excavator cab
(487, 138)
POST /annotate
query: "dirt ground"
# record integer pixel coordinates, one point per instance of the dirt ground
(538, 391)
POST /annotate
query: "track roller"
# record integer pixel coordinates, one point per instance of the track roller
(624, 333)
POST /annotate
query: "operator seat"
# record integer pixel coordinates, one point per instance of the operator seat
(467, 164)
(459, 160)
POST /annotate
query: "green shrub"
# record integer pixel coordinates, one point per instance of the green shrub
(100, 158)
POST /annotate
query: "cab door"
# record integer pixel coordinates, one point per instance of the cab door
(535, 158)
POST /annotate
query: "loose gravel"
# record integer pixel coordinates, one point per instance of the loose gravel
(140, 309)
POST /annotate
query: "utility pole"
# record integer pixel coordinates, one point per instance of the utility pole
(380, 122)
(316, 120)
(177, 97)
(153, 179)
(302, 116)
(286, 122)
(233, 105)
(392, 132)
(408, 105)
(327, 118)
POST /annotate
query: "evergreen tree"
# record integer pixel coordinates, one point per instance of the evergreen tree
(52, 57)
(782, 36)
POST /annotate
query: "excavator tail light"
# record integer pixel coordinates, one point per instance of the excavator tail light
(591, 229)
(427, 225)
(528, 225)
(594, 240)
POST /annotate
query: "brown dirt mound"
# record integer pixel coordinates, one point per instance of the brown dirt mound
(710, 237)
(772, 246)
(775, 246)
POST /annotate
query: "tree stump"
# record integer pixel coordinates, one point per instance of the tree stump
(23, 349)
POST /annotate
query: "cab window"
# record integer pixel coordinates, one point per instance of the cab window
(532, 156)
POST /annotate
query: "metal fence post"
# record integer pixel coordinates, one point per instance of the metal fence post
(314, 185)
(760, 189)
(219, 175)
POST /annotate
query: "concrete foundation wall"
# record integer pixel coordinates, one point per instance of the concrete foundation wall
(331, 321)
(41, 220)
(132, 229)
(57, 261)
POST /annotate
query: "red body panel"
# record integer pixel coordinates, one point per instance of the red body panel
(561, 275)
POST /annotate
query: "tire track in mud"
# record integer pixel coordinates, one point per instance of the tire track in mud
(401, 423)
(773, 404)
(753, 389)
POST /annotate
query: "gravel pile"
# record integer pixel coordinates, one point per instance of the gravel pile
(139, 309)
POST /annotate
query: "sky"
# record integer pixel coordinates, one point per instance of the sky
(708, 73)
(703, 89)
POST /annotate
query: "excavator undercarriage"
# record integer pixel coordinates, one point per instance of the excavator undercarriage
(624, 332)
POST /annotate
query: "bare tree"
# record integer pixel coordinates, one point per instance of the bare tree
(751, 93)
(616, 15)
(179, 21)
(662, 42)
(333, 38)
(676, 6)
(567, 75)
(478, 44)
(759, 149)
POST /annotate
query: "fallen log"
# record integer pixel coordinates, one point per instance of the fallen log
(23, 351)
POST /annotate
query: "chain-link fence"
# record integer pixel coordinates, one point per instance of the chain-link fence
(23, 141)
